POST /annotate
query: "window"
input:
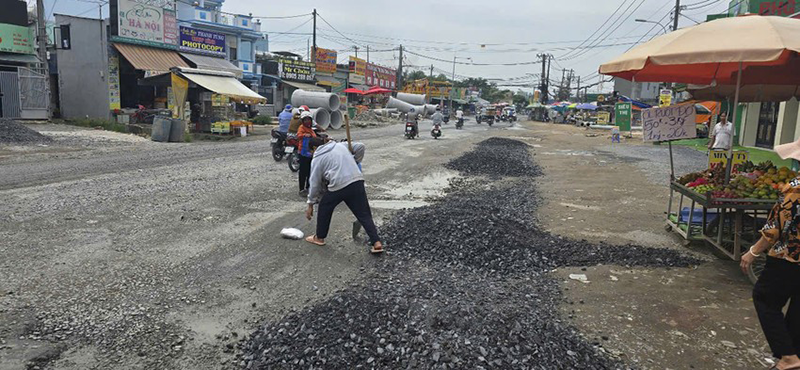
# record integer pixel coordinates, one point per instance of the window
(233, 55)
(203, 15)
(244, 22)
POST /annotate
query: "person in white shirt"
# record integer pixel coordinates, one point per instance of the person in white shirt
(459, 114)
(722, 137)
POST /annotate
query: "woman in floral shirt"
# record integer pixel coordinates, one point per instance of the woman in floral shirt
(779, 283)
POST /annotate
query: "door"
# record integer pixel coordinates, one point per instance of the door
(767, 123)
(9, 85)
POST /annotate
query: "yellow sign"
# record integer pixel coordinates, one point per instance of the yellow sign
(220, 127)
(601, 98)
(536, 95)
(720, 156)
(665, 98)
(603, 118)
(180, 88)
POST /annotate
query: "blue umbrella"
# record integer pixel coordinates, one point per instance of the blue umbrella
(588, 106)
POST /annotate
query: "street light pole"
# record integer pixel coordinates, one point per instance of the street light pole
(454, 79)
(663, 27)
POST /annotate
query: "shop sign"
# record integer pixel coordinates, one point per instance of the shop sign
(358, 71)
(16, 39)
(296, 70)
(220, 127)
(114, 101)
(721, 156)
(665, 98)
(781, 8)
(326, 61)
(199, 41)
(622, 116)
(603, 118)
(149, 22)
(381, 76)
(669, 123)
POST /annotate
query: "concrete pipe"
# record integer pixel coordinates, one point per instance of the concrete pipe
(321, 117)
(337, 119)
(400, 105)
(430, 108)
(314, 99)
(386, 112)
(416, 99)
(421, 109)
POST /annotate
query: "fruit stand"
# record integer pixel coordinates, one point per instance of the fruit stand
(730, 215)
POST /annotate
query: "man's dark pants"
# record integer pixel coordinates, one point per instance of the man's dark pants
(355, 197)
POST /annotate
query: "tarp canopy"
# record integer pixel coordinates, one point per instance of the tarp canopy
(18, 58)
(302, 86)
(212, 63)
(223, 83)
(353, 90)
(155, 61)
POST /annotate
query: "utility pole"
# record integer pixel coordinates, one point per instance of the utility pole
(677, 14)
(579, 90)
(308, 49)
(314, 44)
(356, 49)
(543, 86)
(399, 78)
(367, 53)
(428, 85)
(42, 43)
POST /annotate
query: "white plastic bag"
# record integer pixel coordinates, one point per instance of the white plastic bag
(292, 233)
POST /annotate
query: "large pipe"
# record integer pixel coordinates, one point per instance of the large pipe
(314, 99)
(430, 108)
(385, 112)
(399, 105)
(322, 117)
(337, 119)
(415, 99)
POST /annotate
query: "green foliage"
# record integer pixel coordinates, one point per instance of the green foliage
(106, 124)
(187, 138)
(262, 120)
(519, 100)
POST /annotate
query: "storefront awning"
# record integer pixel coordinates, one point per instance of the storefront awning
(212, 63)
(155, 61)
(328, 81)
(18, 58)
(302, 86)
(360, 87)
(223, 83)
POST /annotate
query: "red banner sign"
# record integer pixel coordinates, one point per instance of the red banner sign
(381, 76)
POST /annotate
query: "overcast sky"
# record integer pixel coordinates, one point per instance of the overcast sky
(488, 32)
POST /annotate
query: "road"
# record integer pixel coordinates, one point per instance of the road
(146, 255)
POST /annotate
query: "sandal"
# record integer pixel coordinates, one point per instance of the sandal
(377, 250)
(312, 239)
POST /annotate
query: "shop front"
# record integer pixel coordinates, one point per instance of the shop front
(139, 62)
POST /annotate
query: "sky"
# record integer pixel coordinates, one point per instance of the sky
(580, 34)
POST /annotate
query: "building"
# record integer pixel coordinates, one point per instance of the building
(23, 77)
(646, 92)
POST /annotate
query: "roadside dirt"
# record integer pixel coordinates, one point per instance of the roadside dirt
(658, 319)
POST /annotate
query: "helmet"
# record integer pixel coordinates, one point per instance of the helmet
(438, 108)
(288, 107)
(305, 107)
(306, 114)
(295, 111)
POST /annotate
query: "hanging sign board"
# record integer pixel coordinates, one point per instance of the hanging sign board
(149, 22)
(296, 70)
(665, 98)
(669, 123)
(603, 118)
(721, 156)
(326, 61)
(16, 39)
(203, 42)
(622, 116)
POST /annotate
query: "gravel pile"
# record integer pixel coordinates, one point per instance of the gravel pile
(12, 132)
(464, 286)
(497, 157)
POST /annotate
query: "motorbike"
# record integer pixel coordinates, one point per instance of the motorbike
(411, 130)
(446, 118)
(292, 156)
(512, 117)
(436, 131)
(278, 143)
(503, 118)
(460, 123)
(478, 118)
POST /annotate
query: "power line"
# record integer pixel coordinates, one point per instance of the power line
(337, 31)
(602, 25)
(612, 31)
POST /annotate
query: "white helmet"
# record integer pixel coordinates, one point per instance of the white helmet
(306, 114)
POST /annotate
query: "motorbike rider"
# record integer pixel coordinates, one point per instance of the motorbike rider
(285, 119)
(295, 123)
(305, 149)
(437, 117)
(412, 118)
(459, 114)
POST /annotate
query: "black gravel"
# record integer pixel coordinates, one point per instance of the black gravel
(497, 157)
(465, 286)
(12, 132)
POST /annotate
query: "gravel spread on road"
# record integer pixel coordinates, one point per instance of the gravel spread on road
(15, 133)
(465, 286)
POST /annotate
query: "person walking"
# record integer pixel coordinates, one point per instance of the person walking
(722, 136)
(336, 178)
(305, 149)
(779, 282)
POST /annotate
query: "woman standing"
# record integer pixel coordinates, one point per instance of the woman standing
(779, 283)
(305, 149)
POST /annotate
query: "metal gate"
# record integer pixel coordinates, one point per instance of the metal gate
(9, 94)
(24, 94)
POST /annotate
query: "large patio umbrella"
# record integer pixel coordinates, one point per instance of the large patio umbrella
(754, 50)
(587, 106)
(377, 90)
(353, 90)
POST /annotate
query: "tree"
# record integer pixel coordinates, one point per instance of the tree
(413, 76)
(519, 99)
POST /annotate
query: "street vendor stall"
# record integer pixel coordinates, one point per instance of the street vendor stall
(723, 55)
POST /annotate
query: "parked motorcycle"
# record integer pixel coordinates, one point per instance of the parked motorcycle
(436, 131)
(278, 143)
(290, 149)
(460, 123)
(411, 130)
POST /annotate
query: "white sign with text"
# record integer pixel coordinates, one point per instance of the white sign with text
(669, 123)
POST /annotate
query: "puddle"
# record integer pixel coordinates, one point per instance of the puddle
(396, 204)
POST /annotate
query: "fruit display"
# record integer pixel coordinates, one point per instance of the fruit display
(748, 181)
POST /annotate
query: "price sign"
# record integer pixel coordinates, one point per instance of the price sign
(603, 118)
(721, 156)
(669, 123)
(665, 98)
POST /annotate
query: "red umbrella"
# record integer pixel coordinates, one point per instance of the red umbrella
(377, 90)
(353, 90)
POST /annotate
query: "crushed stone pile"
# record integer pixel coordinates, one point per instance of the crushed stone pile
(464, 285)
(369, 118)
(15, 133)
